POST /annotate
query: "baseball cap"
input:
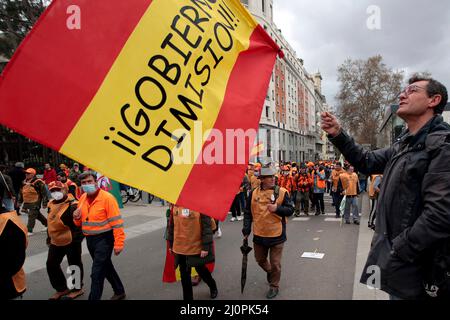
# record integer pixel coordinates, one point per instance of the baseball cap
(30, 170)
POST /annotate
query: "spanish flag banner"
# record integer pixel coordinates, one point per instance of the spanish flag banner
(162, 95)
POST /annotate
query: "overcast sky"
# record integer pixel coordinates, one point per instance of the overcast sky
(413, 35)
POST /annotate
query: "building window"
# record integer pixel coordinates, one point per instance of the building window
(263, 6)
(267, 112)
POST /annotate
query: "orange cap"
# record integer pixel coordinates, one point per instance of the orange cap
(30, 170)
(56, 185)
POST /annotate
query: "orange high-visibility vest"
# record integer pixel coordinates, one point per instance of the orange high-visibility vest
(19, 277)
(60, 234)
(29, 192)
(321, 184)
(265, 223)
(101, 216)
(350, 184)
(187, 232)
(335, 174)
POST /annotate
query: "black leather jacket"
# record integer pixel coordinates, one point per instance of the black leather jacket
(413, 211)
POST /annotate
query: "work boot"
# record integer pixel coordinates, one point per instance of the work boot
(317, 213)
(272, 293)
(356, 222)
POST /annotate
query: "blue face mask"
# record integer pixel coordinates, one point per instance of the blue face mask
(89, 188)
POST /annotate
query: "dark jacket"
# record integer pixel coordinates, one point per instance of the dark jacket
(285, 210)
(17, 175)
(12, 253)
(413, 211)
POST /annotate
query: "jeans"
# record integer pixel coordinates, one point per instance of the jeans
(319, 203)
(242, 200)
(337, 198)
(8, 204)
(100, 248)
(351, 202)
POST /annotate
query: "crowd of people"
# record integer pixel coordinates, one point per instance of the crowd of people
(77, 208)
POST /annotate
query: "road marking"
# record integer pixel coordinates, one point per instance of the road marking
(301, 219)
(333, 219)
(38, 261)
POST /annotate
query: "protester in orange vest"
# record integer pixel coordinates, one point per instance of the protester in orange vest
(13, 244)
(304, 185)
(267, 210)
(319, 186)
(335, 193)
(72, 187)
(285, 181)
(351, 191)
(190, 236)
(33, 194)
(64, 239)
(374, 191)
(251, 172)
(99, 216)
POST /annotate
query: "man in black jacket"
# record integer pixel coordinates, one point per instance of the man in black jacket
(267, 209)
(411, 244)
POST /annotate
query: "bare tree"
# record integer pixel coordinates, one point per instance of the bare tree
(367, 87)
(17, 17)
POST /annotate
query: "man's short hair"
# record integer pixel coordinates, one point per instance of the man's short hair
(86, 174)
(62, 174)
(434, 87)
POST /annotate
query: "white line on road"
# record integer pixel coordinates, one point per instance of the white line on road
(38, 261)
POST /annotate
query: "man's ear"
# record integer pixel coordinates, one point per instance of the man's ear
(435, 100)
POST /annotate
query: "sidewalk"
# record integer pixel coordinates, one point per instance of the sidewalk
(360, 291)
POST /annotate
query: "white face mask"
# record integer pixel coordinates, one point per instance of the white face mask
(57, 195)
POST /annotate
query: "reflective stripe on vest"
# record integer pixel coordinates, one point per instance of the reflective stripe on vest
(60, 234)
(265, 223)
(19, 278)
(187, 237)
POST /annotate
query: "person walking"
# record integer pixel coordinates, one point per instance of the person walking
(13, 244)
(33, 195)
(64, 239)
(190, 236)
(267, 210)
(304, 185)
(351, 188)
(374, 191)
(99, 217)
(411, 243)
(319, 186)
(335, 193)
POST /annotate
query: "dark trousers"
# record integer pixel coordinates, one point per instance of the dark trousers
(33, 214)
(242, 200)
(319, 203)
(100, 248)
(55, 256)
(186, 281)
(373, 212)
(271, 266)
(337, 198)
(235, 207)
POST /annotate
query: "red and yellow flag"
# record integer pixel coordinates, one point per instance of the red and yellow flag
(145, 92)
